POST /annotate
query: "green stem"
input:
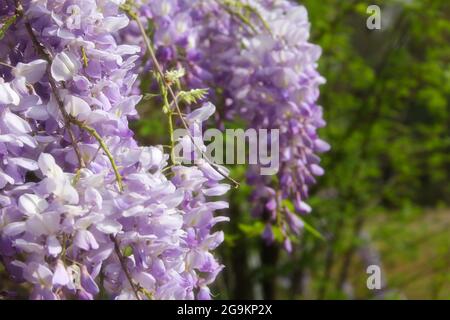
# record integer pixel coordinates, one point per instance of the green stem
(238, 15)
(172, 138)
(124, 267)
(104, 147)
(165, 87)
(228, 6)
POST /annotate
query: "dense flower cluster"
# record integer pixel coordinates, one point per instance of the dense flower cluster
(270, 79)
(83, 208)
(257, 53)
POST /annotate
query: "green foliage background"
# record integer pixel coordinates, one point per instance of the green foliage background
(385, 196)
(386, 187)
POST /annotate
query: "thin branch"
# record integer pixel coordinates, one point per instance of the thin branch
(239, 16)
(227, 6)
(104, 147)
(172, 138)
(124, 266)
(68, 121)
(42, 50)
(160, 72)
(67, 118)
(7, 65)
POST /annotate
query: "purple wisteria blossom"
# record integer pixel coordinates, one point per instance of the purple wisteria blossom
(83, 207)
(262, 69)
(271, 81)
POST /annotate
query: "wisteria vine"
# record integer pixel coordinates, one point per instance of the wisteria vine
(255, 58)
(85, 211)
(84, 207)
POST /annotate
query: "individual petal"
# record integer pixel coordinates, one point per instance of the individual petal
(29, 247)
(287, 244)
(60, 276)
(218, 190)
(76, 107)
(113, 24)
(4, 179)
(13, 229)
(31, 204)
(146, 280)
(87, 282)
(317, 170)
(36, 226)
(302, 206)
(25, 163)
(174, 199)
(8, 95)
(171, 222)
(321, 146)
(33, 71)
(211, 172)
(67, 192)
(65, 66)
(39, 113)
(133, 211)
(85, 240)
(217, 205)
(53, 246)
(201, 114)
(43, 274)
(294, 222)
(15, 123)
(109, 226)
(204, 294)
(47, 164)
(92, 196)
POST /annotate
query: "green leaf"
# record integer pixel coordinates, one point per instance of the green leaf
(278, 234)
(193, 95)
(149, 96)
(288, 204)
(254, 229)
(309, 228)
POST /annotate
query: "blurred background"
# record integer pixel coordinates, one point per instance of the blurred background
(385, 197)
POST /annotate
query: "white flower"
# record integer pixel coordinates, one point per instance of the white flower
(65, 66)
(7, 94)
(32, 72)
(57, 182)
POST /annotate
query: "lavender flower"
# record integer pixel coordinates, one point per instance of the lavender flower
(266, 68)
(269, 75)
(80, 200)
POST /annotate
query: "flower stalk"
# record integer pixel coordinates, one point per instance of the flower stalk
(166, 87)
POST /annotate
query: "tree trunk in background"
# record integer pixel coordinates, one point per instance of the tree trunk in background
(237, 270)
(348, 256)
(242, 281)
(269, 261)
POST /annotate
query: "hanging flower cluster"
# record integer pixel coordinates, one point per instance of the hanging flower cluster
(85, 210)
(268, 70)
(256, 58)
